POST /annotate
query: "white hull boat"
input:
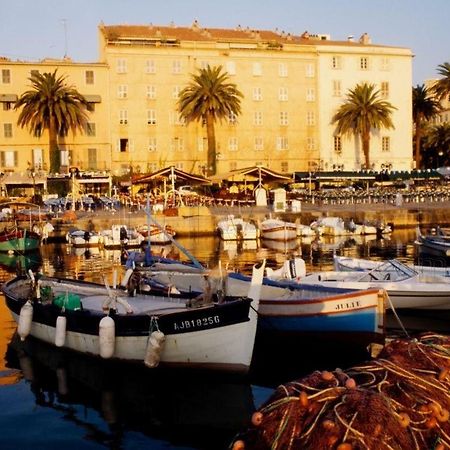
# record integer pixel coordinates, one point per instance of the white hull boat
(234, 229)
(157, 331)
(158, 236)
(120, 236)
(83, 238)
(406, 288)
(278, 230)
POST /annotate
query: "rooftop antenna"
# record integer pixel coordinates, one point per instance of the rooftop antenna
(64, 22)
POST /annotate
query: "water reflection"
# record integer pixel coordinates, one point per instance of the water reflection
(186, 410)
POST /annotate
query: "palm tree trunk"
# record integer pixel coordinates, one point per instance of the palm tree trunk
(54, 156)
(365, 141)
(417, 155)
(211, 134)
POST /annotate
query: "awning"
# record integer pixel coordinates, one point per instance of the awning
(172, 173)
(8, 98)
(93, 98)
(261, 173)
(14, 178)
(335, 175)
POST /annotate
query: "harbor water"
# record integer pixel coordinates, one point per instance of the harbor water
(54, 399)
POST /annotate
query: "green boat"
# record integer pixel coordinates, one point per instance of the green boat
(18, 240)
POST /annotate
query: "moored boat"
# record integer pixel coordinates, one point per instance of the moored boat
(120, 236)
(158, 235)
(235, 228)
(172, 331)
(278, 230)
(83, 238)
(18, 240)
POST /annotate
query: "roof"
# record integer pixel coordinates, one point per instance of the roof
(195, 32)
(167, 172)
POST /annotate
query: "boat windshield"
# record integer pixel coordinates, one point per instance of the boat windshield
(392, 270)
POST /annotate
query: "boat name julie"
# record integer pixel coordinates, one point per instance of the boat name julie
(348, 305)
(197, 323)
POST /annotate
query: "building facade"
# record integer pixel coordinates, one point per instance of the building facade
(292, 86)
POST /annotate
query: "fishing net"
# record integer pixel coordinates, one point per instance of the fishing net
(399, 400)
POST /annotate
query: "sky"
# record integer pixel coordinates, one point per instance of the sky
(32, 30)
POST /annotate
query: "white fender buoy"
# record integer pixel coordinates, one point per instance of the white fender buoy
(31, 275)
(154, 348)
(106, 335)
(60, 331)
(126, 277)
(25, 320)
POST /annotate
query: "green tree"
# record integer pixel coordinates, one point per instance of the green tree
(425, 107)
(362, 112)
(437, 145)
(210, 97)
(52, 105)
(442, 87)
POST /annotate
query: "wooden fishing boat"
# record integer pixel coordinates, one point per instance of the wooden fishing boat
(175, 331)
(18, 240)
(161, 236)
(438, 245)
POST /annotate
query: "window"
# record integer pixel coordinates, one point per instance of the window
(151, 116)
(123, 145)
(7, 106)
(284, 166)
(257, 94)
(65, 157)
(233, 144)
(90, 107)
(231, 67)
(38, 158)
(176, 66)
(202, 144)
(177, 144)
(152, 167)
(92, 158)
(310, 70)
(123, 116)
(385, 63)
(282, 143)
(232, 118)
(310, 95)
(384, 91)
(310, 143)
(122, 91)
(121, 66)
(150, 66)
(337, 145)
(257, 69)
(363, 63)
(284, 118)
(336, 62)
(337, 90)
(151, 92)
(282, 70)
(258, 118)
(385, 144)
(34, 72)
(259, 144)
(310, 118)
(283, 94)
(152, 144)
(89, 77)
(176, 92)
(90, 129)
(7, 130)
(8, 158)
(6, 76)
(176, 119)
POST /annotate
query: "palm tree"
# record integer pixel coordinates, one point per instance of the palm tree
(425, 107)
(208, 97)
(361, 112)
(437, 144)
(52, 105)
(442, 87)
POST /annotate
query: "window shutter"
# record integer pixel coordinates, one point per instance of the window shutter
(131, 145)
(2, 159)
(16, 158)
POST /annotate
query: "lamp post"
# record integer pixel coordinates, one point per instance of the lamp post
(73, 171)
(32, 174)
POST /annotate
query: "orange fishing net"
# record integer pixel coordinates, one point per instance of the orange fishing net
(400, 400)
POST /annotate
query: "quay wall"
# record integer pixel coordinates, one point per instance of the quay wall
(198, 221)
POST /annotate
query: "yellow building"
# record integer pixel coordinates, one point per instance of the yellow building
(291, 86)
